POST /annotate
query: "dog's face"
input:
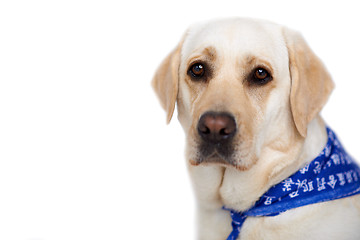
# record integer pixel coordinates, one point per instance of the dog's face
(241, 87)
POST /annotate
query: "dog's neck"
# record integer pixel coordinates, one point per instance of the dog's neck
(239, 190)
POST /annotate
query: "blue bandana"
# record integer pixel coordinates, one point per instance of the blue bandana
(331, 175)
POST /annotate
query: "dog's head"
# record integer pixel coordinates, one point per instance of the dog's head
(241, 86)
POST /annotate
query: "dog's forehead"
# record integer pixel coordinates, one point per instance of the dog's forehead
(235, 37)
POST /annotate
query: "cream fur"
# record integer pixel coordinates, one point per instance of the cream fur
(272, 146)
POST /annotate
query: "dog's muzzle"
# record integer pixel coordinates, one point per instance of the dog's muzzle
(216, 130)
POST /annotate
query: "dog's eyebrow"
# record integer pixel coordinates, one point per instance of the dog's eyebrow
(252, 60)
(210, 52)
(207, 54)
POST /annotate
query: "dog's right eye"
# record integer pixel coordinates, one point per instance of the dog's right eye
(197, 70)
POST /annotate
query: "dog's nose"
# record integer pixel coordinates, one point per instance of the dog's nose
(216, 127)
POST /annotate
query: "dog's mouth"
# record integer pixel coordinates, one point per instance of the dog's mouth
(218, 159)
(225, 153)
(219, 153)
(215, 157)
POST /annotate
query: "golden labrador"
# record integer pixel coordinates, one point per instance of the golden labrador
(248, 96)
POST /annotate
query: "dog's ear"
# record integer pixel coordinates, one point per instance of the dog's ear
(311, 83)
(166, 81)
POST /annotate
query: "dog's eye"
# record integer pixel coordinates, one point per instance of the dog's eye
(261, 76)
(197, 70)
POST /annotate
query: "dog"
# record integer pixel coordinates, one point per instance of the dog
(249, 95)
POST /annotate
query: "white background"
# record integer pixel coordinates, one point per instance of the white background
(84, 149)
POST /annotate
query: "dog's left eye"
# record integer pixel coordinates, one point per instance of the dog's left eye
(261, 76)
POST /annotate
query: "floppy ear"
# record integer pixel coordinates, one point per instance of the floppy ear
(311, 83)
(166, 81)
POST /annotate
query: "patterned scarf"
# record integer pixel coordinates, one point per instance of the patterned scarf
(332, 175)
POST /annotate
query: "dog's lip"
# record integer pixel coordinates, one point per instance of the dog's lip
(215, 157)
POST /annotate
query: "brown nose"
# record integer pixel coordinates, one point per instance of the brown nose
(216, 127)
